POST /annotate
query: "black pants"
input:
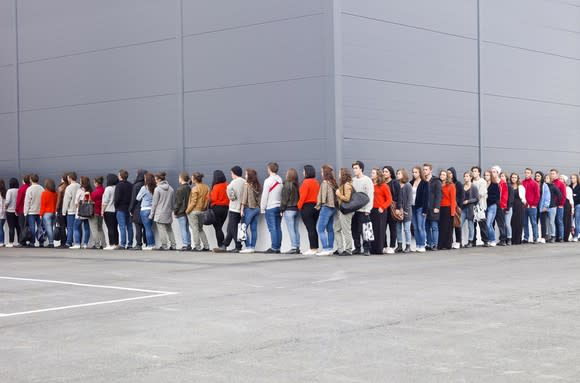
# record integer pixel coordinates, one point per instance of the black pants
(13, 225)
(445, 228)
(22, 223)
(221, 213)
(392, 225)
(310, 217)
(112, 231)
(139, 233)
(379, 221)
(232, 230)
(500, 221)
(356, 227)
(567, 221)
(482, 228)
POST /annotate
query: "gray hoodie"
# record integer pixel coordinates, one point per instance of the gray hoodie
(32, 199)
(163, 203)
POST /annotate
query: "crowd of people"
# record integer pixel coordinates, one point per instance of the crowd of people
(345, 214)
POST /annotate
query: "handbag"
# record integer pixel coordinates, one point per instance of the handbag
(357, 200)
(242, 233)
(478, 213)
(59, 234)
(41, 233)
(457, 217)
(86, 209)
(398, 215)
(27, 233)
(367, 231)
(208, 217)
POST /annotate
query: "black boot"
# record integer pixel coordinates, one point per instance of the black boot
(399, 248)
(407, 249)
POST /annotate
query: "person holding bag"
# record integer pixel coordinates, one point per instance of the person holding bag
(326, 204)
(342, 228)
(250, 208)
(83, 203)
(219, 203)
(198, 202)
(162, 211)
(379, 212)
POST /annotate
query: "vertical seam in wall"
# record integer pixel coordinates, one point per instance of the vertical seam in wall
(17, 54)
(479, 87)
(335, 76)
(181, 144)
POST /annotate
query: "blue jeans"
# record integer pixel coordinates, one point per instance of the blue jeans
(251, 220)
(325, 227)
(508, 223)
(48, 219)
(148, 225)
(70, 228)
(470, 226)
(2, 222)
(418, 221)
(291, 217)
(184, 227)
(491, 212)
(126, 228)
(531, 214)
(576, 221)
(274, 222)
(560, 222)
(34, 225)
(432, 228)
(551, 229)
(86, 231)
(404, 227)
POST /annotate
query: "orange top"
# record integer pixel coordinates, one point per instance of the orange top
(48, 202)
(308, 192)
(383, 197)
(448, 197)
(218, 195)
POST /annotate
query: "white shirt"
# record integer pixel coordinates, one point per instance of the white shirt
(271, 199)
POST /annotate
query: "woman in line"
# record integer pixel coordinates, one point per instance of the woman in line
(508, 211)
(96, 221)
(306, 204)
(542, 213)
(250, 209)
(2, 210)
(555, 196)
(420, 207)
(60, 218)
(109, 214)
(382, 200)
(289, 209)
(406, 203)
(343, 226)
(198, 201)
(48, 201)
(394, 187)
(575, 186)
(220, 205)
(82, 230)
(493, 195)
(326, 204)
(518, 208)
(11, 217)
(145, 196)
(458, 201)
(181, 201)
(470, 199)
(447, 211)
(568, 209)
(162, 211)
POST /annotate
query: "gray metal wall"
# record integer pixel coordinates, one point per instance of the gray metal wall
(205, 84)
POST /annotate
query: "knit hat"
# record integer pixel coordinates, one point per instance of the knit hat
(237, 170)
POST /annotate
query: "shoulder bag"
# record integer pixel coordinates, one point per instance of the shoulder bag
(357, 200)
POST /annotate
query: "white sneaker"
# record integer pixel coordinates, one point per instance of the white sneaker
(324, 253)
(573, 240)
(2, 245)
(84, 247)
(75, 247)
(541, 240)
(9, 245)
(420, 250)
(390, 250)
(310, 252)
(492, 244)
(247, 250)
(110, 247)
(147, 248)
(455, 245)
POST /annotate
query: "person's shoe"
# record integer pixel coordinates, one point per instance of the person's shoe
(509, 242)
(467, 245)
(205, 249)
(525, 242)
(147, 248)
(138, 247)
(345, 253)
(220, 249)
(390, 250)
(434, 248)
(292, 251)
(420, 250)
(407, 249)
(129, 248)
(575, 239)
(366, 253)
(399, 248)
(323, 253)
(336, 252)
(310, 252)
(356, 252)
(492, 244)
(50, 246)
(75, 247)
(501, 243)
(247, 250)
(9, 245)
(428, 248)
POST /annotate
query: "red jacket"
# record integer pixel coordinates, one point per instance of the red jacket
(97, 198)
(448, 197)
(562, 187)
(20, 199)
(308, 192)
(219, 195)
(503, 194)
(382, 197)
(532, 192)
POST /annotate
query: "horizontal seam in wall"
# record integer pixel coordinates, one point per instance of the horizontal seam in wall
(6, 66)
(410, 142)
(256, 83)
(531, 149)
(4, 113)
(98, 102)
(97, 50)
(252, 25)
(530, 50)
(98, 154)
(410, 84)
(411, 26)
(254, 143)
(531, 99)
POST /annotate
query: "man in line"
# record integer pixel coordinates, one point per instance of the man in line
(234, 190)
(270, 206)
(481, 186)
(362, 184)
(432, 221)
(555, 176)
(531, 209)
(69, 206)
(122, 201)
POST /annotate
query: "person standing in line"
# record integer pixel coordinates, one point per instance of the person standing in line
(250, 209)
(543, 209)
(362, 184)
(481, 207)
(181, 201)
(508, 210)
(122, 199)
(326, 204)
(395, 187)
(109, 213)
(82, 229)
(568, 209)
(458, 202)
(420, 208)
(32, 208)
(162, 211)
(234, 192)
(502, 205)
(289, 209)
(470, 199)
(381, 202)
(145, 197)
(2, 210)
(448, 211)
(135, 209)
(575, 186)
(555, 177)
(308, 195)
(219, 203)
(555, 197)
(432, 222)
(11, 217)
(517, 221)
(406, 203)
(532, 199)
(48, 201)
(60, 218)
(96, 221)
(493, 196)
(20, 198)
(342, 228)
(270, 205)
(198, 203)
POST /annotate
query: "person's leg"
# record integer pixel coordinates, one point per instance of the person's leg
(232, 229)
(330, 230)
(148, 225)
(407, 230)
(310, 217)
(356, 225)
(527, 218)
(508, 223)
(420, 232)
(278, 228)
(428, 233)
(501, 224)
(577, 221)
(289, 216)
(552, 222)
(323, 218)
(560, 222)
(184, 230)
(435, 231)
(122, 228)
(365, 218)
(296, 230)
(22, 223)
(534, 219)
(138, 231)
(93, 224)
(129, 227)
(2, 222)
(86, 232)
(76, 232)
(100, 236)
(271, 226)
(12, 226)
(254, 215)
(70, 229)
(379, 242)
(201, 232)
(338, 237)
(491, 211)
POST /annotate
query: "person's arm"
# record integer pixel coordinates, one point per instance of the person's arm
(453, 200)
(437, 197)
(141, 194)
(43, 203)
(178, 200)
(133, 202)
(66, 201)
(192, 201)
(117, 195)
(265, 195)
(154, 204)
(284, 199)
(388, 198)
(27, 201)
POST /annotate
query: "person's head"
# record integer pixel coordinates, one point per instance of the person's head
(345, 176)
(98, 181)
(418, 173)
(564, 178)
(467, 177)
(402, 175)
(495, 171)
(26, 179)
(450, 176)
(34, 178)
(252, 178)
(64, 179)
(515, 179)
(2, 188)
(358, 168)
(273, 168)
(183, 178)
(503, 176)
(539, 177)
(555, 174)
(309, 171)
(487, 176)
(388, 173)
(72, 177)
(140, 176)
(475, 172)
(427, 170)
(528, 173)
(123, 175)
(86, 184)
(218, 178)
(547, 179)
(377, 176)
(292, 176)
(494, 176)
(160, 177)
(149, 182)
(197, 177)
(574, 180)
(443, 176)
(112, 179)
(236, 172)
(328, 174)
(13, 183)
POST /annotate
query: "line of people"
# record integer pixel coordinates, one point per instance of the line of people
(394, 208)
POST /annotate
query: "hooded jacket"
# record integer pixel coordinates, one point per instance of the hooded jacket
(135, 206)
(162, 209)
(434, 199)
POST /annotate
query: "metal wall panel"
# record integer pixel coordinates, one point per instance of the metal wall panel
(8, 145)
(7, 33)
(8, 93)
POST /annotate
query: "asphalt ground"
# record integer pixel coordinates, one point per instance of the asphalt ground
(478, 315)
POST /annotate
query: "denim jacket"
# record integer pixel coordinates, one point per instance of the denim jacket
(545, 200)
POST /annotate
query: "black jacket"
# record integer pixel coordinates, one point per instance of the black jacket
(395, 187)
(422, 196)
(181, 200)
(434, 199)
(135, 206)
(458, 187)
(290, 197)
(123, 193)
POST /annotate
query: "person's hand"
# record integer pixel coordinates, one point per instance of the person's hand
(337, 192)
(381, 210)
(465, 202)
(435, 211)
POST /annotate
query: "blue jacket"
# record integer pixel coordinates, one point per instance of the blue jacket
(545, 200)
